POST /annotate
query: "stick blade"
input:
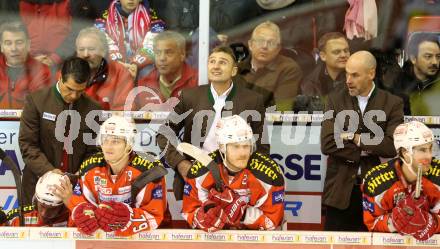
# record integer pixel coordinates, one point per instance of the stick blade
(195, 152)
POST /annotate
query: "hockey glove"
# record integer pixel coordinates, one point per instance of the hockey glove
(232, 203)
(112, 216)
(429, 228)
(408, 215)
(84, 217)
(210, 217)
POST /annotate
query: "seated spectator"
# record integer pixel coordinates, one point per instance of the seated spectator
(240, 196)
(46, 209)
(268, 69)
(130, 195)
(330, 70)
(171, 73)
(20, 74)
(130, 27)
(419, 82)
(391, 199)
(48, 23)
(110, 82)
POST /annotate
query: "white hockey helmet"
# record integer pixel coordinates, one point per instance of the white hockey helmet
(414, 133)
(44, 188)
(233, 129)
(118, 126)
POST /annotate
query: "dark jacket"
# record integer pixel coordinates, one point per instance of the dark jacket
(343, 163)
(200, 99)
(39, 146)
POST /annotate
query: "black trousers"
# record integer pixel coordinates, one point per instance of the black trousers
(350, 219)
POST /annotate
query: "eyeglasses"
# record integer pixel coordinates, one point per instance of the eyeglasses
(269, 43)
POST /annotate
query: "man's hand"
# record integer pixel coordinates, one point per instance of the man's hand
(44, 59)
(84, 218)
(112, 215)
(210, 217)
(183, 168)
(132, 68)
(409, 215)
(232, 203)
(63, 190)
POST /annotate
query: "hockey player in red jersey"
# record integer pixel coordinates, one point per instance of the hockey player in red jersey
(392, 199)
(118, 190)
(47, 209)
(252, 185)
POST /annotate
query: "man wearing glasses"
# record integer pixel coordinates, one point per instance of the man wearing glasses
(49, 139)
(267, 69)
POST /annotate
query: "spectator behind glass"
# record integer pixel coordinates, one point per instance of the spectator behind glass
(48, 23)
(171, 73)
(268, 69)
(328, 73)
(46, 147)
(130, 26)
(419, 82)
(110, 82)
(20, 74)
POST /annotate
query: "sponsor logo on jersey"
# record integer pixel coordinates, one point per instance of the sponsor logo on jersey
(157, 193)
(96, 179)
(187, 189)
(277, 197)
(107, 191)
(367, 205)
(123, 190)
(77, 189)
(103, 182)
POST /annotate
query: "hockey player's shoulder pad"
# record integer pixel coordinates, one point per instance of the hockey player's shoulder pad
(266, 169)
(96, 160)
(15, 212)
(433, 174)
(380, 178)
(143, 164)
(198, 169)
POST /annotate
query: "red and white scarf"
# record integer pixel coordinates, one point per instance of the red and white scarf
(138, 26)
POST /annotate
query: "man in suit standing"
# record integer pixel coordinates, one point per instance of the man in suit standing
(354, 147)
(41, 137)
(200, 108)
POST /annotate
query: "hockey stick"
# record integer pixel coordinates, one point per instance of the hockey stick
(204, 158)
(17, 178)
(418, 182)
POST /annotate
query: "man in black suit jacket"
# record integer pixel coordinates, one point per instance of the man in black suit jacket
(205, 105)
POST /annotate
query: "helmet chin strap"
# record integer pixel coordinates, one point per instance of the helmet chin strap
(225, 162)
(409, 164)
(116, 162)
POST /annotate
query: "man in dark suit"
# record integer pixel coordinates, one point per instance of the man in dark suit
(41, 134)
(357, 129)
(200, 108)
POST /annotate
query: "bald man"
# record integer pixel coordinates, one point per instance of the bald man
(357, 129)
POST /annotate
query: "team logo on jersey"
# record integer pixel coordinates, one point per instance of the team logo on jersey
(367, 205)
(277, 197)
(77, 189)
(157, 193)
(187, 189)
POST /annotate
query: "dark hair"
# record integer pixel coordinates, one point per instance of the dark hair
(225, 49)
(76, 68)
(416, 39)
(13, 27)
(327, 37)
